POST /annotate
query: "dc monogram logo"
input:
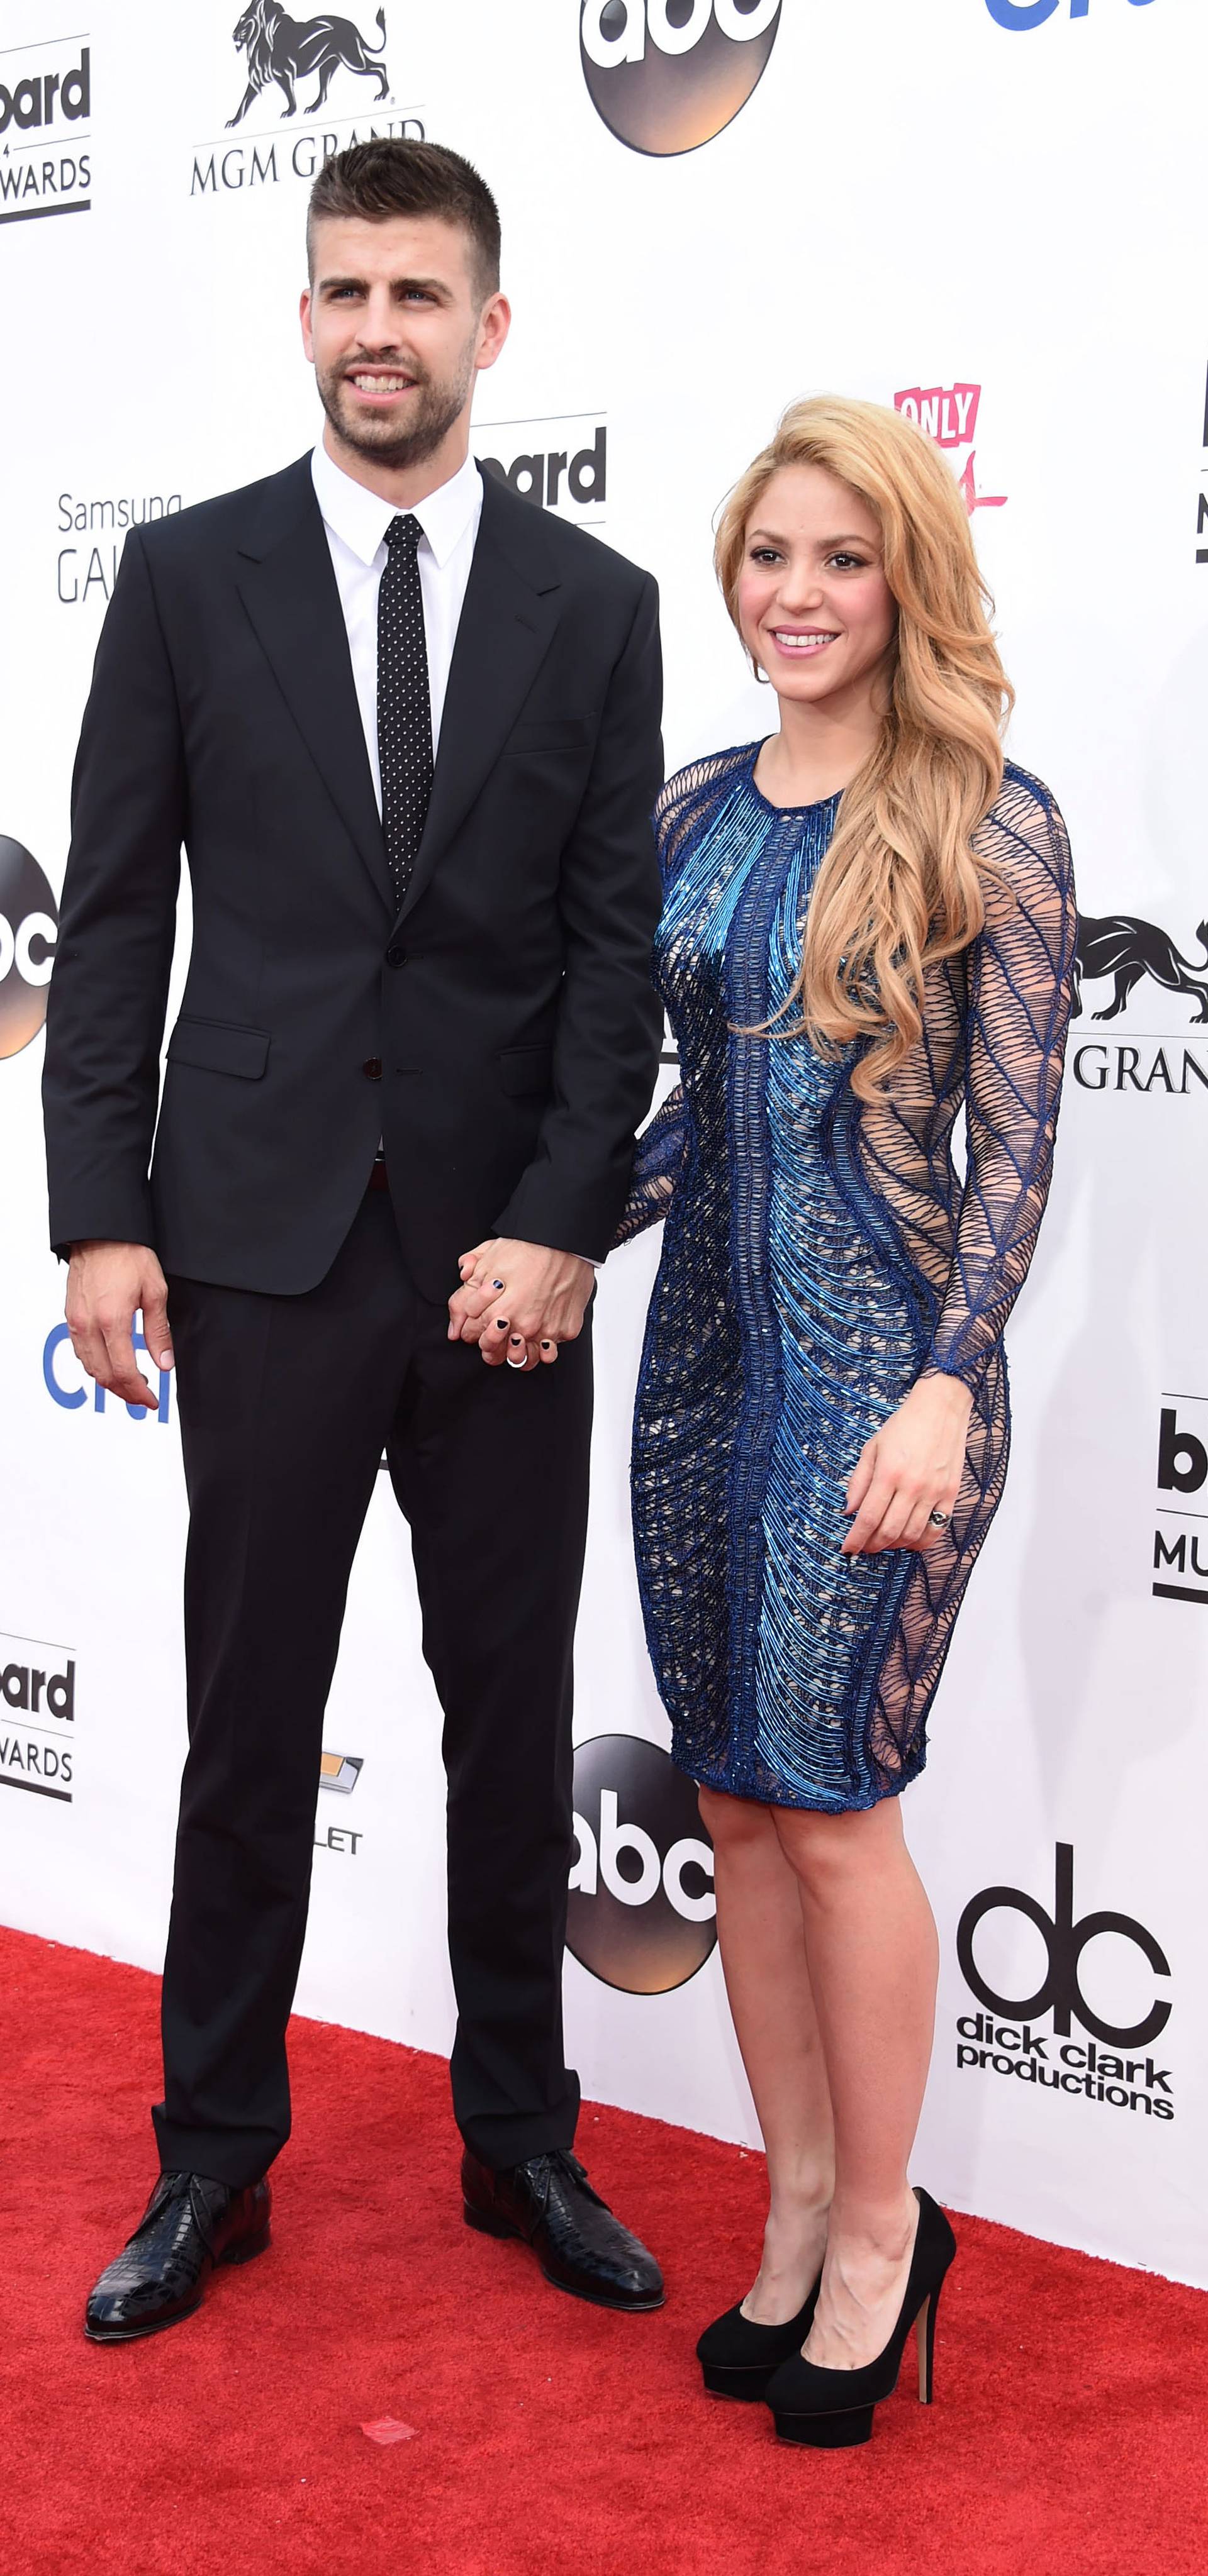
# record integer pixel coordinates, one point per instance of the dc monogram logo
(29, 925)
(642, 1915)
(1065, 1941)
(667, 75)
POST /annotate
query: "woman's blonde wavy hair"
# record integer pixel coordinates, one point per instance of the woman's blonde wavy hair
(901, 884)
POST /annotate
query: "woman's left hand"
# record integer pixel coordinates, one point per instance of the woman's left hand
(910, 1468)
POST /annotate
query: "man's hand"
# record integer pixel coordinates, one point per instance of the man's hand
(107, 1285)
(518, 1301)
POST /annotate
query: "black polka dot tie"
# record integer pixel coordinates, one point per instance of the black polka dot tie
(404, 705)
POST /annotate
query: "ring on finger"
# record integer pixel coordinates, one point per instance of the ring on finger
(939, 1519)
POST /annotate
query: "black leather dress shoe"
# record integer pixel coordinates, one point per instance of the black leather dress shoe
(580, 2246)
(189, 2225)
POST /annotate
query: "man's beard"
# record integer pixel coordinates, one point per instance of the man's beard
(432, 410)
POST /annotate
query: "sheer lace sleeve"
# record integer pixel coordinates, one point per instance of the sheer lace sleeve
(1020, 976)
(656, 1167)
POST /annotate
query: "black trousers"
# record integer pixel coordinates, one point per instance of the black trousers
(285, 1406)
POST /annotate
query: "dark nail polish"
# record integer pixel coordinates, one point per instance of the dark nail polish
(515, 1341)
(547, 1346)
(501, 1323)
(497, 1285)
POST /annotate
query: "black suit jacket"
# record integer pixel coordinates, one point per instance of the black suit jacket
(500, 1031)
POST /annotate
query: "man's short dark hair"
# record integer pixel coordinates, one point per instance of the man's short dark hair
(391, 176)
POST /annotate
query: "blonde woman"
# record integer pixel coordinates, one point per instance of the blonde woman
(868, 922)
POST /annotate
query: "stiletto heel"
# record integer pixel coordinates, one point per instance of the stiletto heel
(832, 2410)
(925, 2339)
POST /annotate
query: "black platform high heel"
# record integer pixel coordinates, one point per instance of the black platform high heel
(832, 2409)
(737, 2357)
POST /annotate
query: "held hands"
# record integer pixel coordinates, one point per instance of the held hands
(518, 1301)
(910, 1468)
(107, 1284)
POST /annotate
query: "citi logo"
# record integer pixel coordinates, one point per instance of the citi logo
(29, 927)
(1020, 16)
(56, 1359)
(667, 75)
(560, 462)
(642, 1915)
(948, 414)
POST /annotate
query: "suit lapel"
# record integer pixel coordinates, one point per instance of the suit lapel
(289, 590)
(507, 623)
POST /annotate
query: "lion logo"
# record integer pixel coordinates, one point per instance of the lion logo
(285, 50)
(1128, 949)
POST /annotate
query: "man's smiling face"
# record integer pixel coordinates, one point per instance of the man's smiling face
(396, 327)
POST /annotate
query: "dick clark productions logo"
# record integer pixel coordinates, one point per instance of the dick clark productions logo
(1001, 2040)
(29, 926)
(667, 75)
(642, 1913)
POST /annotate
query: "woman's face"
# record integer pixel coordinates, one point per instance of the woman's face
(814, 607)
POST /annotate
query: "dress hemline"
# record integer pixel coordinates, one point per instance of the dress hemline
(728, 1787)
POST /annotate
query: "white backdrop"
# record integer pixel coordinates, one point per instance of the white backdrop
(920, 197)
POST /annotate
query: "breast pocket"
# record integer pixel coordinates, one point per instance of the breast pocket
(551, 733)
(220, 1046)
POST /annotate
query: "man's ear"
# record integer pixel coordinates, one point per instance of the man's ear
(494, 325)
(304, 318)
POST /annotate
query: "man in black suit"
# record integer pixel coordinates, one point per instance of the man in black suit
(418, 1018)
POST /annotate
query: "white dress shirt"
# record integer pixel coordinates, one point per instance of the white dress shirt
(356, 521)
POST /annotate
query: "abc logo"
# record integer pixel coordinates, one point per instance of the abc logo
(28, 930)
(667, 75)
(642, 1913)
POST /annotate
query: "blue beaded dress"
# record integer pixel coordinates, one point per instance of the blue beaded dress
(820, 1251)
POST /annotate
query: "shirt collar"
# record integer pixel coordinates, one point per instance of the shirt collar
(360, 517)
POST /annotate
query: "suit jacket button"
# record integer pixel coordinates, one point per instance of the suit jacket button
(372, 1068)
(396, 957)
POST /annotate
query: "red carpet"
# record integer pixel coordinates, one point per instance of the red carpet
(1068, 2434)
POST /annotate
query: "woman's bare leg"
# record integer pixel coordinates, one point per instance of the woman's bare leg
(871, 1943)
(762, 1940)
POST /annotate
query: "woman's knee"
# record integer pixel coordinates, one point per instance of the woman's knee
(829, 1852)
(729, 1821)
